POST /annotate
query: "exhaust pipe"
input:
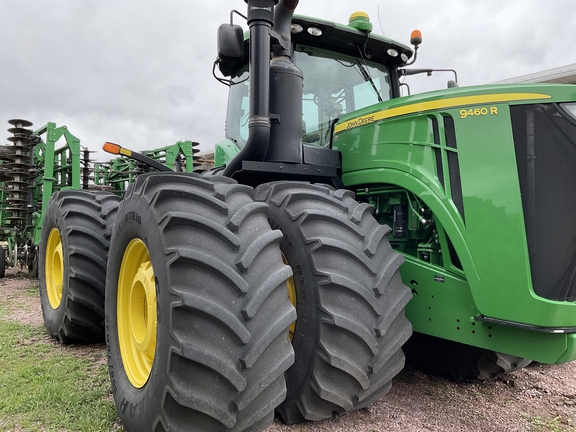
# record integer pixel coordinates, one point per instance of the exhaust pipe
(286, 83)
(283, 14)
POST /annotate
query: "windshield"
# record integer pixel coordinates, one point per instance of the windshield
(334, 85)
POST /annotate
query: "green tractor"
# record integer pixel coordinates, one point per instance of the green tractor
(340, 218)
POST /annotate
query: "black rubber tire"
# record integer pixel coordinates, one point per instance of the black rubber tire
(2, 262)
(457, 361)
(84, 221)
(222, 343)
(350, 300)
(33, 264)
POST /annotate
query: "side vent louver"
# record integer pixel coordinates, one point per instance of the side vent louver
(453, 165)
(438, 151)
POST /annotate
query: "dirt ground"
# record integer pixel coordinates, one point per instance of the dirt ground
(537, 398)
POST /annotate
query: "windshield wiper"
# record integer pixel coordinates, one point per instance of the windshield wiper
(368, 79)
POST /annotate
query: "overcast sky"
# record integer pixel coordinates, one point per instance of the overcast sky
(140, 72)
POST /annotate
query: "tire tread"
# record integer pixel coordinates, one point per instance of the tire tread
(360, 324)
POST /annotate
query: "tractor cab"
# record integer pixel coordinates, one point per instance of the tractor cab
(344, 67)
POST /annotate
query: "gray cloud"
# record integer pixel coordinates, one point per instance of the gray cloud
(140, 73)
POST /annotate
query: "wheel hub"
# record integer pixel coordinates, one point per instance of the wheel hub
(292, 297)
(137, 317)
(54, 268)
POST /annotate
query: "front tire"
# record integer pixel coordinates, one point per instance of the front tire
(32, 262)
(73, 250)
(350, 300)
(2, 262)
(197, 313)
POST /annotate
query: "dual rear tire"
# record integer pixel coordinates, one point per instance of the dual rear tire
(198, 299)
(73, 250)
(350, 300)
(197, 313)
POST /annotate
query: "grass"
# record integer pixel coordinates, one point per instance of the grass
(546, 425)
(45, 387)
(31, 290)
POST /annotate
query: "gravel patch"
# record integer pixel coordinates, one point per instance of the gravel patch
(536, 398)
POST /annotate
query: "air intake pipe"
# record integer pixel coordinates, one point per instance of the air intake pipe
(261, 16)
(260, 21)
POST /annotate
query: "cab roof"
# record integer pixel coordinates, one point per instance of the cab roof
(345, 39)
(335, 37)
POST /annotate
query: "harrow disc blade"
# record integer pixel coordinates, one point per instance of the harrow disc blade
(19, 131)
(17, 167)
(20, 123)
(25, 141)
(15, 156)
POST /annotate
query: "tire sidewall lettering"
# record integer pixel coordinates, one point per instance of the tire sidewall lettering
(54, 219)
(133, 216)
(131, 403)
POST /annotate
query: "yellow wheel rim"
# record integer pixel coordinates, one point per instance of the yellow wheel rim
(292, 297)
(54, 268)
(136, 314)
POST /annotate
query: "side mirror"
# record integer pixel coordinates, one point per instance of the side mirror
(230, 41)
